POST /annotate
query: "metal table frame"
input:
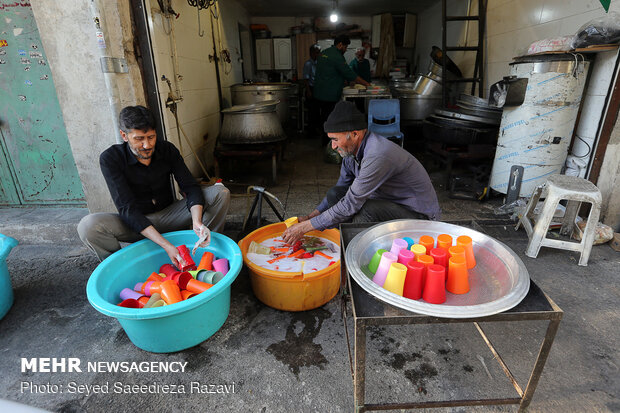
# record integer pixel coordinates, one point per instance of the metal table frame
(368, 311)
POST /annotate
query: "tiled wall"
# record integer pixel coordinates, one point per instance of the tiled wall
(199, 112)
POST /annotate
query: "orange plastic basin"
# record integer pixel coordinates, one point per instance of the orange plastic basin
(291, 291)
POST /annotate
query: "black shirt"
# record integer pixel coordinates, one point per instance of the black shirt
(138, 189)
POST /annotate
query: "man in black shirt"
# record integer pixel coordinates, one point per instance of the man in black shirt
(137, 173)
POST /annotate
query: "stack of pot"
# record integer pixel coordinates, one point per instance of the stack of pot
(420, 95)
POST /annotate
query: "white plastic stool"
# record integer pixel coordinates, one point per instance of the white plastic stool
(558, 187)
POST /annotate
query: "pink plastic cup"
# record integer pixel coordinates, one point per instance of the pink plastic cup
(384, 266)
(397, 245)
(404, 256)
(221, 265)
(129, 293)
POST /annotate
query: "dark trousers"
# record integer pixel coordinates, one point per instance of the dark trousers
(325, 108)
(374, 210)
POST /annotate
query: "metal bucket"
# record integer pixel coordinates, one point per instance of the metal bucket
(417, 107)
(244, 94)
(248, 124)
(537, 134)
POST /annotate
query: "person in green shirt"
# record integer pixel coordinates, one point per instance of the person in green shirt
(332, 74)
(360, 64)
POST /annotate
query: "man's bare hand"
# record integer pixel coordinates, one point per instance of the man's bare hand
(173, 254)
(309, 216)
(295, 232)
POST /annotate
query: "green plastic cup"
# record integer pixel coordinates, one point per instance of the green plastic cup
(374, 262)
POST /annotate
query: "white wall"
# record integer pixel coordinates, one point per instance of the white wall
(199, 112)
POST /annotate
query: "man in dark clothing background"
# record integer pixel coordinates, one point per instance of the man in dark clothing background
(137, 173)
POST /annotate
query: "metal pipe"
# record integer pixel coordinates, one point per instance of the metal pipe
(109, 77)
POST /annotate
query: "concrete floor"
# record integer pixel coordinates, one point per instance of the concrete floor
(298, 362)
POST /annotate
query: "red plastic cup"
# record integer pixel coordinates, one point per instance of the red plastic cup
(440, 256)
(444, 241)
(168, 269)
(187, 262)
(206, 262)
(181, 279)
(142, 301)
(467, 244)
(413, 281)
(427, 241)
(404, 256)
(435, 286)
(129, 303)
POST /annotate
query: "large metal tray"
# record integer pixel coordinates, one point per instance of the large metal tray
(498, 282)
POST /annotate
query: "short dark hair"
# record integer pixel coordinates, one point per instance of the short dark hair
(315, 48)
(342, 39)
(135, 117)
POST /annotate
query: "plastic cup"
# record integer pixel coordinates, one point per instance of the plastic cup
(129, 293)
(146, 287)
(456, 251)
(413, 283)
(467, 244)
(435, 286)
(187, 294)
(404, 256)
(444, 241)
(138, 287)
(291, 221)
(186, 262)
(374, 262)
(168, 269)
(387, 258)
(427, 241)
(129, 303)
(440, 256)
(181, 279)
(197, 287)
(418, 249)
(170, 292)
(426, 260)
(152, 300)
(221, 265)
(458, 280)
(154, 277)
(143, 300)
(397, 245)
(195, 273)
(206, 262)
(395, 280)
(210, 277)
(410, 241)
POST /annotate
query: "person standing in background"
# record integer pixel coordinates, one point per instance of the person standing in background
(361, 65)
(309, 72)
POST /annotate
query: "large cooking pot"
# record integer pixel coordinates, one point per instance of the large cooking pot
(246, 93)
(417, 107)
(254, 123)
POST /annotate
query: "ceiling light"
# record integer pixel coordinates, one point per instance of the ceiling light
(333, 17)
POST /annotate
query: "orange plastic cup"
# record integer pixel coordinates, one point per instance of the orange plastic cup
(395, 280)
(458, 282)
(197, 287)
(142, 301)
(427, 241)
(444, 241)
(187, 294)
(426, 260)
(206, 262)
(170, 292)
(466, 242)
(418, 249)
(154, 277)
(152, 287)
(456, 251)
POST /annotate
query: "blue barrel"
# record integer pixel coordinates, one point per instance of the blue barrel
(6, 289)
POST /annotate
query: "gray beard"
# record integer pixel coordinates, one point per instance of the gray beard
(137, 154)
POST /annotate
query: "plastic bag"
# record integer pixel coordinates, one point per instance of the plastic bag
(602, 30)
(555, 44)
(603, 233)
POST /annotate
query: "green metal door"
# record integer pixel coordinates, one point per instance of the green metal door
(36, 163)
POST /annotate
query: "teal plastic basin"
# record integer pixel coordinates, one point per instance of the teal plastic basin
(6, 288)
(173, 327)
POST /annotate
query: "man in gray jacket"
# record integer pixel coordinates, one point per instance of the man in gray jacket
(379, 181)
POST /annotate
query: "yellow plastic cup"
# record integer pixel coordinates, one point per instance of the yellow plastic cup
(395, 280)
(418, 250)
(291, 221)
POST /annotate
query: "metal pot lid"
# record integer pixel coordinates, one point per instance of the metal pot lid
(261, 86)
(462, 116)
(480, 112)
(488, 109)
(499, 281)
(473, 100)
(456, 123)
(265, 106)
